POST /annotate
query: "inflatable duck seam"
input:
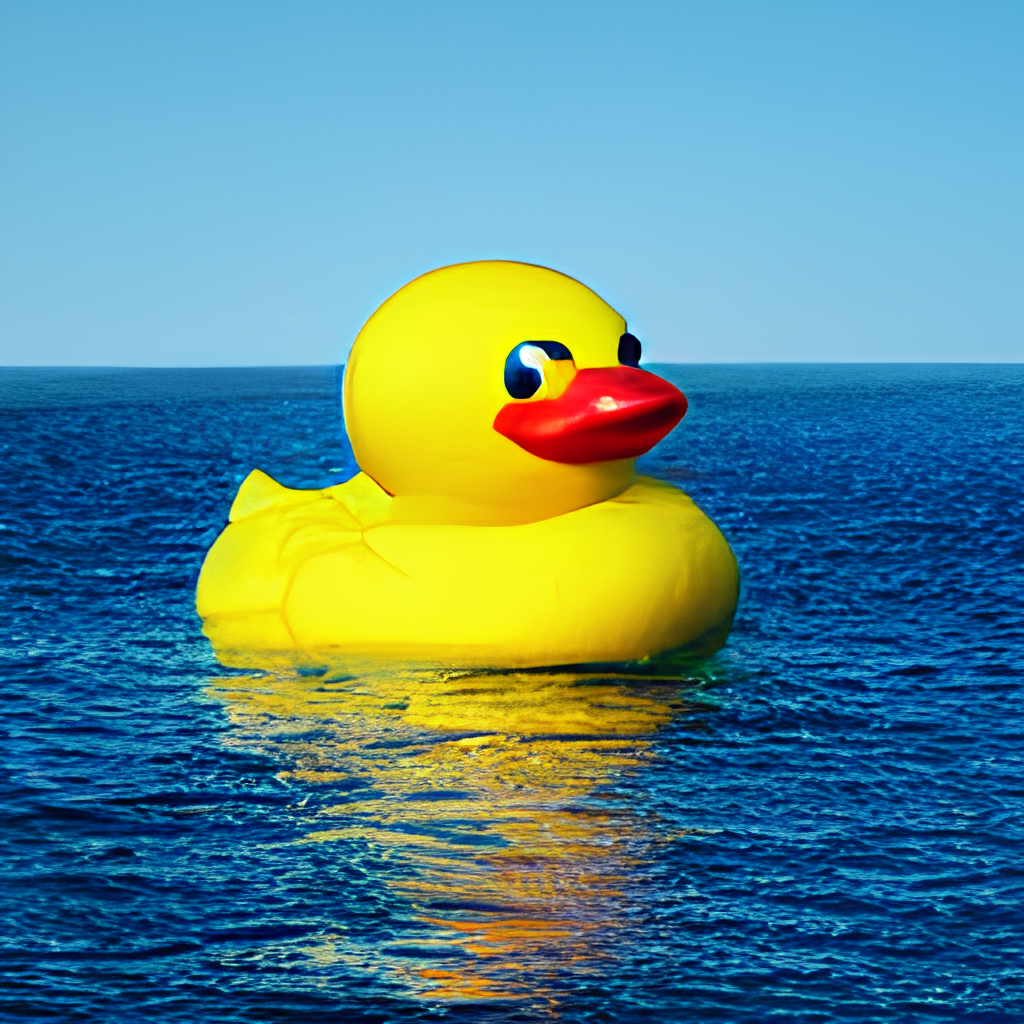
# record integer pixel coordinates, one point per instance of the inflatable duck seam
(384, 558)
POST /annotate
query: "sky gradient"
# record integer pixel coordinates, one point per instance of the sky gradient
(226, 183)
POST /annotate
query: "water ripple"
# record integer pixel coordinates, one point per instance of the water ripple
(822, 823)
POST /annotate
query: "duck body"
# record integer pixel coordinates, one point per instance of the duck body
(617, 581)
(496, 410)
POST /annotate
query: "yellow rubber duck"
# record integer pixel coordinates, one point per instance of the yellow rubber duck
(496, 410)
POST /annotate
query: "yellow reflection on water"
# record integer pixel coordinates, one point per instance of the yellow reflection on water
(491, 796)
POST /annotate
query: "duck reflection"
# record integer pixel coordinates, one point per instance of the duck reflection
(500, 802)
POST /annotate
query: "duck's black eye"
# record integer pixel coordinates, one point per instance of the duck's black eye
(629, 350)
(522, 367)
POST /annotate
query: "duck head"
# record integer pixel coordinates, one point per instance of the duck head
(498, 393)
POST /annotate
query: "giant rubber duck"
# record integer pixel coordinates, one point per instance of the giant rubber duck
(496, 410)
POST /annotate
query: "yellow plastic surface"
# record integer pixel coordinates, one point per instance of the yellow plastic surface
(456, 546)
(425, 381)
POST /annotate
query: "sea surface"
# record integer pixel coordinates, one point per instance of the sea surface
(822, 822)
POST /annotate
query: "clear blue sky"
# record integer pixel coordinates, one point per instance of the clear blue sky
(229, 183)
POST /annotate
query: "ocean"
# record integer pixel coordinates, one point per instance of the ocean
(820, 823)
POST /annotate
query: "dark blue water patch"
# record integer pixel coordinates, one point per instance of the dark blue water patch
(822, 823)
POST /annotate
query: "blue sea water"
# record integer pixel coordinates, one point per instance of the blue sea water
(823, 822)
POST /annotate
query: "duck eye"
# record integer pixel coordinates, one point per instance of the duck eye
(523, 366)
(629, 350)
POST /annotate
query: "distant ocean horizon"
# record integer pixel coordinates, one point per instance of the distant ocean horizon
(821, 822)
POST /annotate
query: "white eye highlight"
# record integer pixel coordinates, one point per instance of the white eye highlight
(534, 357)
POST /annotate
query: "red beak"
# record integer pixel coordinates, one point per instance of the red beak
(616, 412)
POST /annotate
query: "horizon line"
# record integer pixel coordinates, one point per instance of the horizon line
(653, 362)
